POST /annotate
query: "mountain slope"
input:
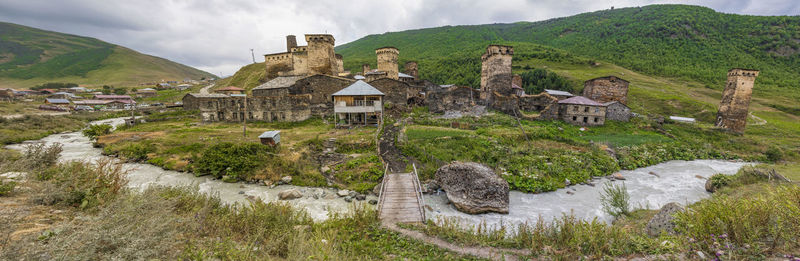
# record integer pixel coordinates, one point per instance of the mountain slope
(29, 56)
(667, 40)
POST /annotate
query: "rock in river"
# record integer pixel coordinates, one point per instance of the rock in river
(663, 221)
(473, 188)
(290, 194)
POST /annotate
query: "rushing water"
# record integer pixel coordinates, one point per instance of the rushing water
(676, 181)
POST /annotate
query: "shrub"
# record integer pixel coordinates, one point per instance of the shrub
(6, 187)
(719, 180)
(774, 154)
(237, 161)
(40, 156)
(615, 199)
(85, 185)
(137, 151)
(95, 130)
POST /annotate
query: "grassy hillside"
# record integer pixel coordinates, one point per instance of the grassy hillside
(247, 77)
(676, 41)
(29, 56)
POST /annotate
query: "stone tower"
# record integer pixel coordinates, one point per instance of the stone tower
(365, 68)
(321, 57)
(339, 63)
(387, 61)
(411, 69)
(733, 109)
(291, 42)
(496, 70)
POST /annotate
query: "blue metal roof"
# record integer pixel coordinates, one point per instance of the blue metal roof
(359, 88)
(58, 101)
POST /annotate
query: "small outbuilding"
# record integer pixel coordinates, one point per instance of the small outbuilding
(272, 138)
(616, 111)
(57, 102)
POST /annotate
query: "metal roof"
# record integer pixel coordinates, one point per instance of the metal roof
(125, 97)
(359, 88)
(557, 92)
(208, 95)
(359, 77)
(403, 75)
(279, 82)
(57, 101)
(612, 102)
(269, 134)
(92, 102)
(580, 100)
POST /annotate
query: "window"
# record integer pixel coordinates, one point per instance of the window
(595, 119)
(575, 108)
(596, 110)
(574, 118)
(585, 119)
(586, 109)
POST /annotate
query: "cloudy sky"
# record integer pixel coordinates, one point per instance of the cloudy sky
(217, 35)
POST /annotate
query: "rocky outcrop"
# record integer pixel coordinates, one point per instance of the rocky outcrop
(663, 222)
(473, 188)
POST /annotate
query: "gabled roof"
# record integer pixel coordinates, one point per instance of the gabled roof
(57, 101)
(269, 134)
(580, 100)
(146, 90)
(92, 102)
(557, 92)
(231, 88)
(359, 77)
(612, 102)
(359, 88)
(514, 86)
(279, 82)
(207, 95)
(121, 97)
(403, 75)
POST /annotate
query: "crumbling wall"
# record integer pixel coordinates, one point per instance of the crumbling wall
(456, 98)
(536, 102)
(320, 87)
(606, 89)
(395, 91)
(735, 103)
(618, 112)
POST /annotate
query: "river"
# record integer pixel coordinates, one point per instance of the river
(676, 181)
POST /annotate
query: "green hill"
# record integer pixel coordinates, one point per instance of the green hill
(29, 56)
(676, 41)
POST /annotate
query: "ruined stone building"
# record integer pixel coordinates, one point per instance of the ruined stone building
(616, 111)
(496, 76)
(317, 57)
(606, 89)
(578, 110)
(733, 109)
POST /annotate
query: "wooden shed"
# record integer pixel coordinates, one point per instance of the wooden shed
(272, 138)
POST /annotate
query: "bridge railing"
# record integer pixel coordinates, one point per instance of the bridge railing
(381, 196)
(420, 198)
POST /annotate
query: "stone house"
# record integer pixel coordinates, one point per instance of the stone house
(581, 111)
(616, 111)
(453, 98)
(146, 92)
(358, 104)
(606, 89)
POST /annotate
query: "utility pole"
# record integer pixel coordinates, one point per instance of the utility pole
(244, 118)
(253, 54)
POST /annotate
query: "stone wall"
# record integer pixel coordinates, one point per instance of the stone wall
(582, 115)
(456, 98)
(397, 92)
(496, 73)
(735, 103)
(321, 57)
(411, 68)
(606, 89)
(226, 108)
(387, 61)
(618, 112)
(537, 102)
(320, 87)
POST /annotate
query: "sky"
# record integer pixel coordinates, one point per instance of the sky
(217, 35)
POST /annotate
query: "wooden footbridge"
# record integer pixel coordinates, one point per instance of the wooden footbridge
(401, 198)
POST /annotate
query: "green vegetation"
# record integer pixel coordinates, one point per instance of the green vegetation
(30, 57)
(31, 127)
(537, 80)
(6, 187)
(616, 200)
(95, 130)
(54, 85)
(248, 77)
(232, 160)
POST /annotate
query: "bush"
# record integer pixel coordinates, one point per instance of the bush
(84, 185)
(719, 180)
(137, 151)
(237, 161)
(95, 130)
(6, 187)
(774, 154)
(40, 156)
(615, 199)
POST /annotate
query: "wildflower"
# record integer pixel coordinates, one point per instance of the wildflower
(719, 253)
(723, 235)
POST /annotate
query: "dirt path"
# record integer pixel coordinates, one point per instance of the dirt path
(204, 90)
(390, 154)
(482, 252)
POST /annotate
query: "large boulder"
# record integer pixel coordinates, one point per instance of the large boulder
(290, 194)
(664, 220)
(473, 188)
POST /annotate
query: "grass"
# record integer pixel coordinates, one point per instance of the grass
(174, 140)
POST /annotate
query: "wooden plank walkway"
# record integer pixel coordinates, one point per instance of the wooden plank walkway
(401, 199)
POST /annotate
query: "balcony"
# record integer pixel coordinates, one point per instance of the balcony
(357, 106)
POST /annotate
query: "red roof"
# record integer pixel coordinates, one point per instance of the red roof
(231, 88)
(580, 100)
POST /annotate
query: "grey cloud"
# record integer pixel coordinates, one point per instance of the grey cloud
(217, 35)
